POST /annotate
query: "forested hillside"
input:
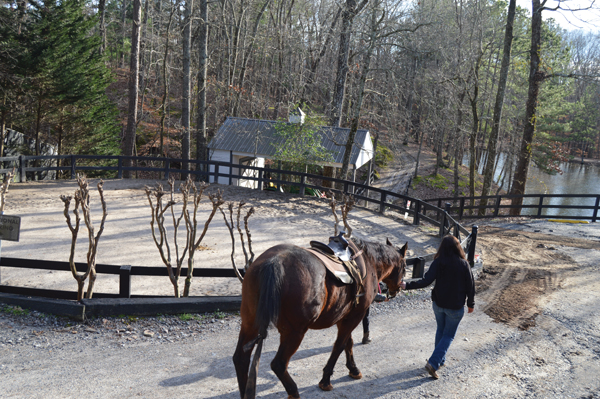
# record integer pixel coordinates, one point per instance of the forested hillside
(160, 76)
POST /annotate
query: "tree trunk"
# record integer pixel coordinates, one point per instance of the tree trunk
(121, 61)
(350, 11)
(201, 135)
(249, 50)
(165, 74)
(314, 65)
(360, 96)
(102, 24)
(129, 139)
(3, 126)
(185, 106)
(457, 143)
(493, 140)
(536, 77)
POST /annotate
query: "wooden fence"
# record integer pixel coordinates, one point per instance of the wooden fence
(126, 273)
(534, 206)
(113, 167)
(303, 183)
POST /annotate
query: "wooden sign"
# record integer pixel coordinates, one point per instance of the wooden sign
(10, 227)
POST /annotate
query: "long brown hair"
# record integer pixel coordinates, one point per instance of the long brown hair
(449, 248)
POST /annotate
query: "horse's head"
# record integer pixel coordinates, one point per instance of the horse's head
(394, 279)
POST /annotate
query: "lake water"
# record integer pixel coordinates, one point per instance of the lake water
(576, 178)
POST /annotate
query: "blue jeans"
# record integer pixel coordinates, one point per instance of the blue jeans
(447, 324)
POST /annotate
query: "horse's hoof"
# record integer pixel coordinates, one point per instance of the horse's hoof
(356, 376)
(326, 387)
(293, 397)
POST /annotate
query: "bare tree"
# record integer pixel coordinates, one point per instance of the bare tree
(350, 11)
(186, 97)
(346, 206)
(248, 255)
(134, 66)
(82, 202)
(201, 133)
(160, 206)
(493, 139)
(4, 189)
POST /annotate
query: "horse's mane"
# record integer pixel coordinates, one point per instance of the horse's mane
(377, 252)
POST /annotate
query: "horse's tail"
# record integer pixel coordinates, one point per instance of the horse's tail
(267, 312)
(269, 299)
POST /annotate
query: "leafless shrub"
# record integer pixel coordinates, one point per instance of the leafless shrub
(346, 206)
(191, 197)
(82, 201)
(230, 226)
(4, 188)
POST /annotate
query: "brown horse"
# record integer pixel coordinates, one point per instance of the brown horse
(290, 287)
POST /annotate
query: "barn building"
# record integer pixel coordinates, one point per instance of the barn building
(249, 142)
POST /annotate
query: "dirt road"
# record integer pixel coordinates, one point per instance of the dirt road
(535, 332)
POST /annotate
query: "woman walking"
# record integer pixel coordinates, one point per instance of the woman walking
(453, 285)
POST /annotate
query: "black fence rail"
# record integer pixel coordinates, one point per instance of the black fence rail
(126, 272)
(534, 206)
(215, 171)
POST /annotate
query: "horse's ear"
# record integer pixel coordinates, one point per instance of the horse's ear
(388, 242)
(403, 250)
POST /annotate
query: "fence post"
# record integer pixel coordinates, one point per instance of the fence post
(22, 176)
(279, 177)
(216, 174)
(167, 166)
(444, 220)
(120, 167)
(595, 215)
(382, 205)
(497, 207)
(417, 217)
(302, 184)
(73, 174)
(539, 213)
(471, 249)
(418, 268)
(462, 208)
(261, 174)
(125, 282)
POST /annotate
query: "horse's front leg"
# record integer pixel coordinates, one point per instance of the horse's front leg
(344, 338)
(354, 371)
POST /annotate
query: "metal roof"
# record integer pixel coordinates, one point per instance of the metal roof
(260, 138)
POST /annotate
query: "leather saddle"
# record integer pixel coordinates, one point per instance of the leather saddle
(338, 246)
(338, 257)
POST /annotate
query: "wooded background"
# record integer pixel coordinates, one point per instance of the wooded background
(465, 78)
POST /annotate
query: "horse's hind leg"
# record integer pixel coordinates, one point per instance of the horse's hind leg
(342, 342)
(241, 359)
(288, 345)
(354, 371)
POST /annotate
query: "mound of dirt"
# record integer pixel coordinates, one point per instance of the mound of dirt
(522, 268)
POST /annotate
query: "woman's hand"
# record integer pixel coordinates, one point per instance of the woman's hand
(403, 285)
(470, 310)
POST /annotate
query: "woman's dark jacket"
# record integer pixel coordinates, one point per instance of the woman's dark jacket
(453, 283)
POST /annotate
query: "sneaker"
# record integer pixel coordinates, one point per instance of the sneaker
(431, 371)
(380, 298)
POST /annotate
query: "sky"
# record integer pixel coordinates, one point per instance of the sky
(588, 20)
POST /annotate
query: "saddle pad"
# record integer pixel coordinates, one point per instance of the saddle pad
(335, 267)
